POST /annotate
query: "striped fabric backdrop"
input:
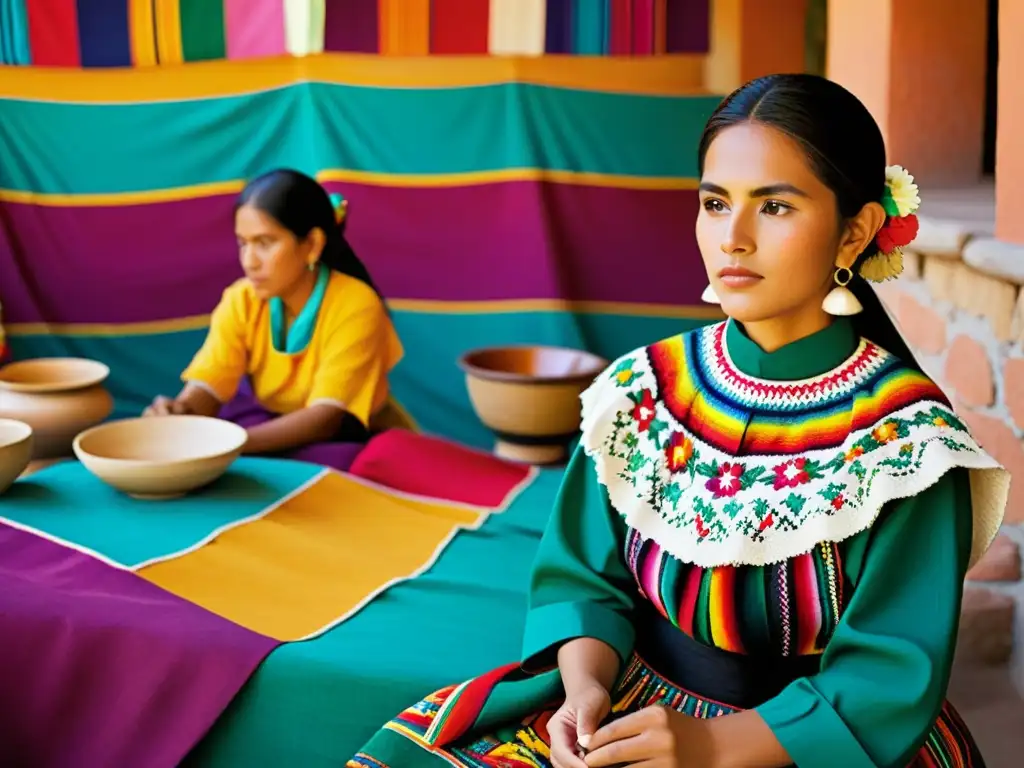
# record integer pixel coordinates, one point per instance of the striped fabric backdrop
(121, 33)
(494, 200)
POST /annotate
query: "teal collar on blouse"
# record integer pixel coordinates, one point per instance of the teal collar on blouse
(810, 356)
(301, 332)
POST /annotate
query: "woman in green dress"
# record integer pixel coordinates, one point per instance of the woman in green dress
(757, 555)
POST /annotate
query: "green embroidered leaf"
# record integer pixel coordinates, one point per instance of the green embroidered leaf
(732, 508)
(672, 493)
(796, 503)
(708, 469)
(832, 492)
(655, 429)
(750, 476)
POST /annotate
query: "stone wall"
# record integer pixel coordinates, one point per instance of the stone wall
(960, 306)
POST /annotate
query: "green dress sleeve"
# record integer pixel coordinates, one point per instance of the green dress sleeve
(579, 586)
(885, 671)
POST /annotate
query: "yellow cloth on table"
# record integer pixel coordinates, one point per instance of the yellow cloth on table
(316, 558)
(517, 27)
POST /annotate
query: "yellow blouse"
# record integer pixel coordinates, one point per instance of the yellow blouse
(347, 349)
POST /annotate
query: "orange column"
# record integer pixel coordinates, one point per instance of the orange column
(753, 38)
(919, 66)
(1010, 126)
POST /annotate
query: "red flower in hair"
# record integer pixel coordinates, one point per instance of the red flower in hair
(897, 233)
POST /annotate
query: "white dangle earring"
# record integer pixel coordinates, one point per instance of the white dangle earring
(709, 296)
(840, 301)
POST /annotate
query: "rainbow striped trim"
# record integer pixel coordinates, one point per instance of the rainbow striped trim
(720, 468)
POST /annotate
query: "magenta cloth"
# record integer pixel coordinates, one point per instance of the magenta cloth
(98, 667)
(643, 27)
(254, 28)
(510, 241)
(441, 469)
(246, 411)
(352, 26)
(688, 26)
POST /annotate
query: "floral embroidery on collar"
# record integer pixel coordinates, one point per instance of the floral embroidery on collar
(706, 506)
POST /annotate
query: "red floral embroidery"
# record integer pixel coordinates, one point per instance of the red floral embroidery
(702, 530)
(838, 502)
(643, 411)
(790, 474)
(768, 522)
(679, 451)
(727, 482)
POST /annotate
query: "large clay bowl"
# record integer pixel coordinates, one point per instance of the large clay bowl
(15, 450)
(528, 396)
(160, 457)
(58, 397)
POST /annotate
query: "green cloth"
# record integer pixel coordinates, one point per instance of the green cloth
(885, 670)
(884, 674)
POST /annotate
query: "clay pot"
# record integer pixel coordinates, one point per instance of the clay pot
(160, 457)
(58, 397)
(528, 396)
(15, 450)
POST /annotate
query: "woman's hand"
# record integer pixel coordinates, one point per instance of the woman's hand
(574, 724)
(654, 737)
(166, 406)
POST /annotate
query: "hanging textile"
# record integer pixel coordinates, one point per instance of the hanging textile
(660, 14)
(168, 32)
(590, 27)
(558, 30)
(517, 27)
(352, 25)
(459, 26)
(688, 26)
(202, 29)
(254, 28)
(14, 33)
(53, 32)
(621, 37)
(643, 27)
(405, 27)
(304, 26)
(142, 32)
(104, 33)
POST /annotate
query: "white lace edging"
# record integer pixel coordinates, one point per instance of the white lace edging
(990, 482)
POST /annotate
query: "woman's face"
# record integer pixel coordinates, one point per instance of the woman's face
(768, 229)
(274, 260)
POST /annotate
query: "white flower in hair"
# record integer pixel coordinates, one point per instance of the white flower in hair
(902, 189)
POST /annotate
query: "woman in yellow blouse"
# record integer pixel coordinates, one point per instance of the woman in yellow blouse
(305, 329)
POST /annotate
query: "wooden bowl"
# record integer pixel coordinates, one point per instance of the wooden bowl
(528, 396)
(15, 450)
(58, 397)
(160, 457)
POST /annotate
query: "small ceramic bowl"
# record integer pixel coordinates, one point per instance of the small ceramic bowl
(15, 450)
(528, 396)
(160, 457)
